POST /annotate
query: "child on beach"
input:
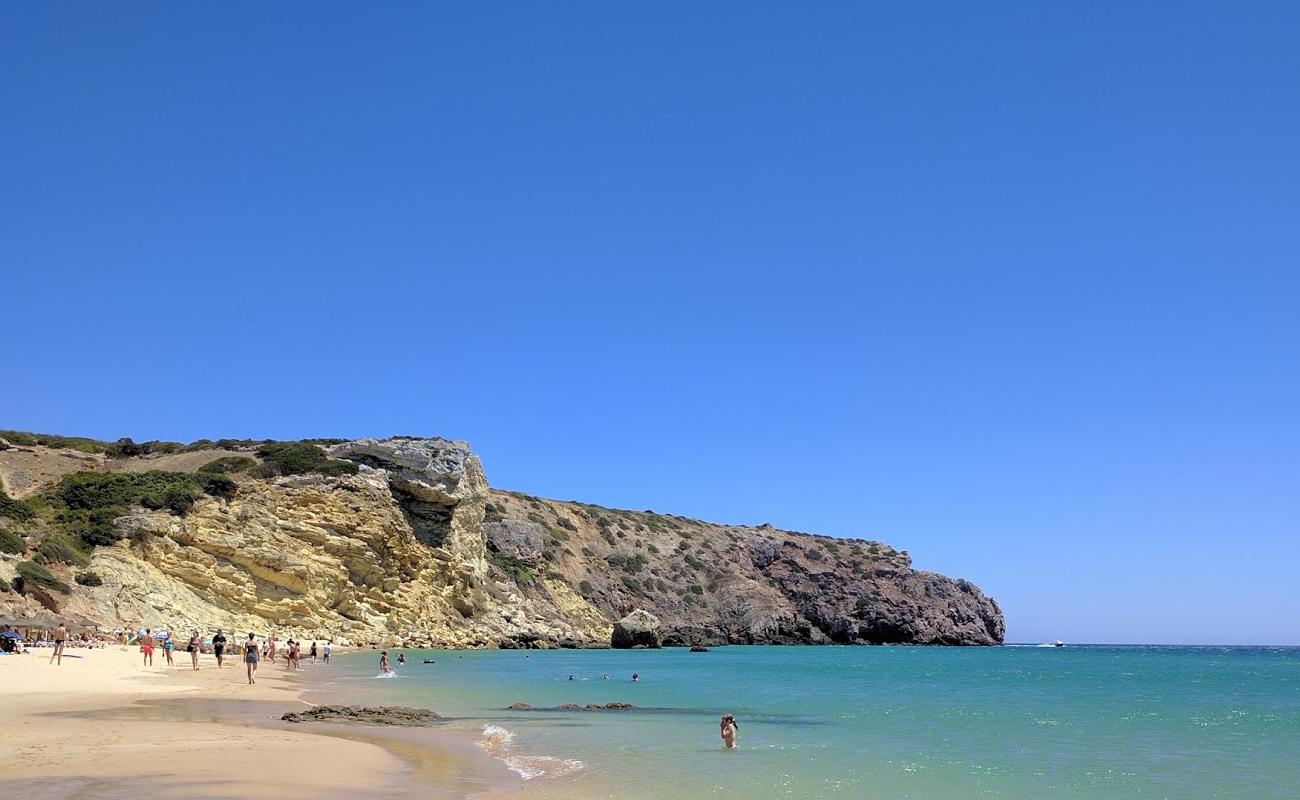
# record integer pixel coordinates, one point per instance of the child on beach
(729, 728)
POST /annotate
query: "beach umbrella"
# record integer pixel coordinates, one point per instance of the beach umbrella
(10, 635)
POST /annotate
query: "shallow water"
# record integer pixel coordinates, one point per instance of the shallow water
(1095, 722)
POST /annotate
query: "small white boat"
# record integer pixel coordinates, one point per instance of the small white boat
(1058, 643)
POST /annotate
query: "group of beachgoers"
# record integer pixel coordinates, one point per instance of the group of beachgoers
(57, 639)
(252, 651)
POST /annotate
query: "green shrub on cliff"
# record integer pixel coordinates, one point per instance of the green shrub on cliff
(11, 542)
(14, 509)
(35, 574)
(88, 502)
(89, 578)
(4, 586)
(521, 572)
(298, 458)
(176, 491)
(61, 548)
(227, 465)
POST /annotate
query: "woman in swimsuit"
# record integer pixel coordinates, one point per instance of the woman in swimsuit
(194, 646)
(250, 658)
(384, 666)
(168, 646)
(729, 728)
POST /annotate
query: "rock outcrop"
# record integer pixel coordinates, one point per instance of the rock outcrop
(402, 553)
(402, 716)
(638, 629)
(517, 539)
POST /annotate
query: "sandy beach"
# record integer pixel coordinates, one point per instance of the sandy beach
(103, 726)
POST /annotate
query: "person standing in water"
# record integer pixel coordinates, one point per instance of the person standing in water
(329, 646)
(219, 646)
(729, 728)
(384, 666)
(60, 635)
(250, 659)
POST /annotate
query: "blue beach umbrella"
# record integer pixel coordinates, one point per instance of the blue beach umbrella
(10, 635)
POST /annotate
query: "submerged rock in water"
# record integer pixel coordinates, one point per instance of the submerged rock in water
(366, 715)
(573, 707)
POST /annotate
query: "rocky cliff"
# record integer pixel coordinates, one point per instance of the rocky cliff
(403, 541)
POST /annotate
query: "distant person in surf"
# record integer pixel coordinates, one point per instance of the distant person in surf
(384, 667)
(329, 647)
(729, 728)
(401, 658)
(636, 678)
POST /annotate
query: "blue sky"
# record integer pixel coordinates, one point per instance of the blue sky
(1014, 288)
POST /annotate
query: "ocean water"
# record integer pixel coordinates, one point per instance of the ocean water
(1096, 722)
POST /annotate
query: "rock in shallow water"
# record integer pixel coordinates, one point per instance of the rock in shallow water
(366, 715)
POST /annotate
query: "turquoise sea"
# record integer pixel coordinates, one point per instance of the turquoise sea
(1096, 722)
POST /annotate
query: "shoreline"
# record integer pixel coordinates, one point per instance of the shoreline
(103, 726)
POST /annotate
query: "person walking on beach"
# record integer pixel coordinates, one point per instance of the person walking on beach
(195, 645)
(60, 635)
(329, 646)
(313, 652)
(729, 728)
(250, 659)
(168, 646)
(146, 647)
(218, 646)
(270, 649)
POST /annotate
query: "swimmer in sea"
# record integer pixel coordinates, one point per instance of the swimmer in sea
(729, 728)
(636, 678)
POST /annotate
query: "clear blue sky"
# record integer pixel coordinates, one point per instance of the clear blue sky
(1015, 288)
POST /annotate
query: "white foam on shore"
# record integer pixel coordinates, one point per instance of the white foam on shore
(497, 742)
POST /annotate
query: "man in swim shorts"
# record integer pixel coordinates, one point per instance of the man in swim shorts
(60, 635)
(146, 647)
(218, 646)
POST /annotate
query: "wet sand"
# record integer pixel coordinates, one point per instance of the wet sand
(103, 726)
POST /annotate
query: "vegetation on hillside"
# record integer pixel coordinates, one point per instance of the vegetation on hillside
(14, 509)
(298, 458)
(12, 543)
(34, 574)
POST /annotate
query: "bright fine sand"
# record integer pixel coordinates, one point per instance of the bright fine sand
(103, 726)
